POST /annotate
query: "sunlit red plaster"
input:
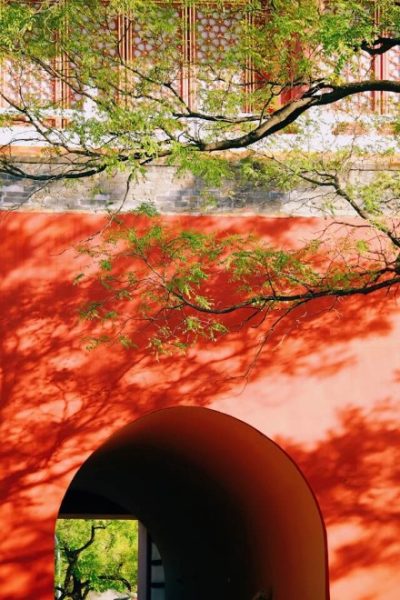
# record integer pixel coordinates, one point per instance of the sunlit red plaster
(325, 388)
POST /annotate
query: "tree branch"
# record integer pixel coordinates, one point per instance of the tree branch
(339, 292)
(117, 578)
(380, 46)
(286, 115)
(90, 540)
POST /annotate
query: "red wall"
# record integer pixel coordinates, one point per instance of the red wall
(325, 388)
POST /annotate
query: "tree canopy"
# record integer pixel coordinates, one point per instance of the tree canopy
(167, 287)
(206, 87)
(124, 83)
(95, 555)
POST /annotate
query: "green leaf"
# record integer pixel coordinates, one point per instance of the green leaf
(127, 342)
(78, 278)
(106, 264)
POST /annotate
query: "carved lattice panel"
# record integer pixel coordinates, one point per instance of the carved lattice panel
(362, 68)
(393, 64)
(391, 71)
(195, 39)
(143, 43)
(216, 31)
(105, 46)
(27, 85)
(142, 47)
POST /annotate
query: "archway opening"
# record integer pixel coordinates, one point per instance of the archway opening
(228, 510)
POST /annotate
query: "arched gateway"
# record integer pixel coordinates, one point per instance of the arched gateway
(229, 511)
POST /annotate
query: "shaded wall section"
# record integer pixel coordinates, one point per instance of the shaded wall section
(325, 387)
(229, 511)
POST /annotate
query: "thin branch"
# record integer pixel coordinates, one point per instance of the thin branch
(286, 115)
(91, 539)
(339, 292)
(380, 46)
(117, 578)
(363, 213)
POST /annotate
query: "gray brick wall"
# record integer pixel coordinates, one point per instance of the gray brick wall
(161, 187)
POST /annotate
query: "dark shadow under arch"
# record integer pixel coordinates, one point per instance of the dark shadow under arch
(229, 511)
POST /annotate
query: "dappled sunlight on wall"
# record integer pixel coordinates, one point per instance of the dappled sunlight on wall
(325, 385)
(354, 470)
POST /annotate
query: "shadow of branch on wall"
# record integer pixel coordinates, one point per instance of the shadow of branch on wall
(355, 474)
(59, 403)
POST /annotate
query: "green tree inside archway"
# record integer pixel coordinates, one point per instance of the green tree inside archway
(94, 555)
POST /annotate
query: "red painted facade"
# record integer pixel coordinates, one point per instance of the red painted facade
(325, 388)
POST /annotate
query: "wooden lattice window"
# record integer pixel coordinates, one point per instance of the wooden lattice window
(390, 69)
(365, 66)
(24, 84)
(141, 48)
(197, 34)
(202, 33)
(106, 47)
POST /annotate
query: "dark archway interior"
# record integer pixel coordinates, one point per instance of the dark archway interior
(229, 511)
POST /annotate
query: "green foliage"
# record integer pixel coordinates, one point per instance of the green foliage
(138, 113)
(109, 562)
(384, 186)
(179, 287)
(160, 286)
(146, 208)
